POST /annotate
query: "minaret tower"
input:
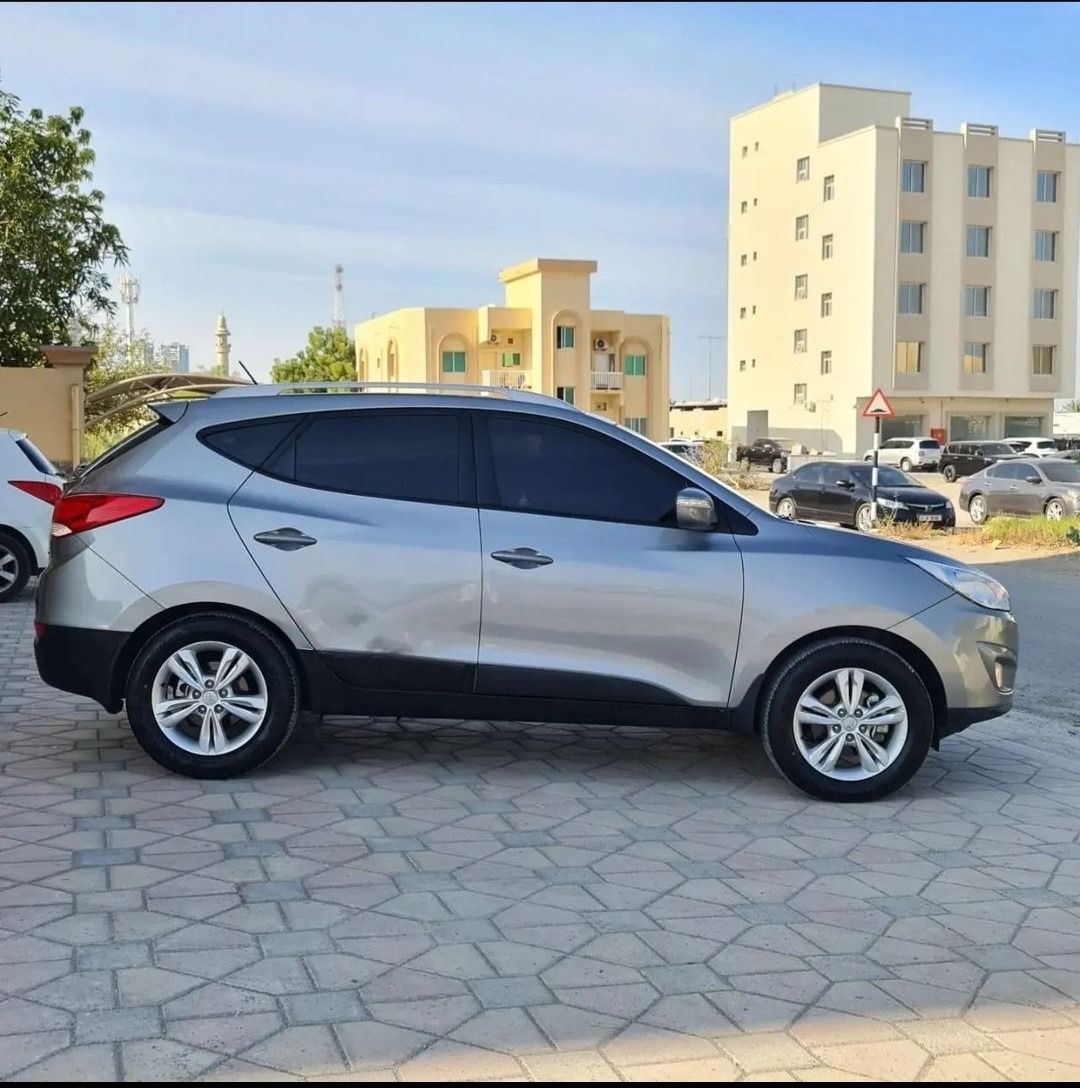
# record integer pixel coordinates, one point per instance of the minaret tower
(221, 349)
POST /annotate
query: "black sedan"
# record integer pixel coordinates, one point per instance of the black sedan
(839, 491)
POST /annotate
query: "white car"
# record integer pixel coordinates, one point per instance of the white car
(908, 453)
(1034, 447)
(29, 488)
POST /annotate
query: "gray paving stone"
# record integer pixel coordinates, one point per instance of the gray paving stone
(93, 1063)
(327, 1007)
(116, 1025)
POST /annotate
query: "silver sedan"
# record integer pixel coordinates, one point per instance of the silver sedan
(1032, 486)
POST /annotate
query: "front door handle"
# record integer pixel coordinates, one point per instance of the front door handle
(523, 558)
(287, 539)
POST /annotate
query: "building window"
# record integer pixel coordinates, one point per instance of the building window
(800, 341)
(1045, 304)
(978, 242)
(743, 207)
(742, 311)
(637, 424)
(913, 178)
(565, 392)
(911, 298)
(800, 286)
(800, 393)
(634, 366)
(979, 181)
(826, 304)
(828, 188)
(1046, 245)
(975, 357)
(802, 228)
(1046, 182)
(742, 364)
(453, 362)
(564, 336)
(755, 202)
(802, 169)
(911, 236)
(909, 356)
(969, 427)
(1042, 359)
(826, 247)
(742, 259)
(510, 358)
(755, 254)
(755, 145)
(826, 362)
(976, 301)
(744, 150)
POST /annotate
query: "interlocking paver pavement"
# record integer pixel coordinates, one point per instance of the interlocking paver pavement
(436, 900)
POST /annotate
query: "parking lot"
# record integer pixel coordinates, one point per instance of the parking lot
(462, 900)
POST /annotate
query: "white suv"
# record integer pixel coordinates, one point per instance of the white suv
(1033, 447)
(29, 488)
(908, 453)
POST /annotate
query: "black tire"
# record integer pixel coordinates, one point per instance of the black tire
(977, 509)
(282, 693)
(905, 464)
(949, 472)
(784, 502)
(13, 551)
(862, 514)
(792, 679)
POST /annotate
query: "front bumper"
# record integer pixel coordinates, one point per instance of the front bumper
(82, 661)
(948, 517)
(974, 651)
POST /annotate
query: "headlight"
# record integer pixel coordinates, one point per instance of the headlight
(970, 583)
(890, 504)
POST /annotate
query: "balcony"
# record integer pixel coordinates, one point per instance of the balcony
(507, 378)
(606, 379)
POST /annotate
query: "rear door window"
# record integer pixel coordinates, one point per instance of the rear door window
(929, 444)
(35, 456)
(810, 475)
(416, 456)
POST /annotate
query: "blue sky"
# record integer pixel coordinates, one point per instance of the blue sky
(246, 148)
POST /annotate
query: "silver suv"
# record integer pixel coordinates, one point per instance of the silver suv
(478, 553)
(908, 454)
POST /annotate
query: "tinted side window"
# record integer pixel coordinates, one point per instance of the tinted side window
(928, 444)
(249, 443)
(810, 475)
(1012, 472)
(542, 467)
(392, 455)
(835, 474)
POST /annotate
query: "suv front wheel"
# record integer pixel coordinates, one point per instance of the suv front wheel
(212, 696)
(847, 720)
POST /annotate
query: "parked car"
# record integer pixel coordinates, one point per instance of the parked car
(967, 457)
(1033, 447)
(687, 449)
(770, 453)
(1042, 485)
(907, 453)
(29, 485)
(455, 555)
(1067, 442)
(839, 491)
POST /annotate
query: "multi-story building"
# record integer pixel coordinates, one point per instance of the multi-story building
(175, 357)
(545, 337)
(867, 249)
(698, 418)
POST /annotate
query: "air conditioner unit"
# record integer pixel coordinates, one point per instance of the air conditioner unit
(600, 344)
(493, 338)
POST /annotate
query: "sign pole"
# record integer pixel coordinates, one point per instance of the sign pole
(873, 471)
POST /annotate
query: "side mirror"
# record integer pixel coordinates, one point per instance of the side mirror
(847, 485)
(1034, 478)
(695, 509)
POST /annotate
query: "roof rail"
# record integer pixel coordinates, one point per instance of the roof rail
(444, 388)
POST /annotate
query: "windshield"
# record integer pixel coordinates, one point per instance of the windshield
(997, 449)
(1061, 472)
(887, 477)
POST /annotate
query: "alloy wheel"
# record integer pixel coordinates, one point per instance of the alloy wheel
(1055, 510)
(977, 509)
(785, 508)
(864, 518)
(209, 698)
(9, 568)
(850, 724)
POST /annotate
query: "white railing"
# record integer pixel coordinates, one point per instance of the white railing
(606, 379)
(507, 379)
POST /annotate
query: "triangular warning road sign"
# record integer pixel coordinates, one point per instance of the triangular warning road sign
(879, 406)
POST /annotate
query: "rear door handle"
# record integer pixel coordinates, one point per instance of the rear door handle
(523, 558)
(286, 539)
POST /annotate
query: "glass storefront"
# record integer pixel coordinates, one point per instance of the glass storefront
(961, 427)
(902, 427)
(1025, 426)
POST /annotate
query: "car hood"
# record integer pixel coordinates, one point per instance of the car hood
(920, 496)
(846, 542)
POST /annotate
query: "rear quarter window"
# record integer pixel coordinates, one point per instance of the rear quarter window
(249, 443)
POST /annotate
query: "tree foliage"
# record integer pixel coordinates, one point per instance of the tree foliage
(54, 240)
(329, 357)
(114, 360)
(1072, 406)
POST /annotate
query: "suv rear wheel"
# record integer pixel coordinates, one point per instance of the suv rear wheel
(14, 567)
(847, 720)
(949, 472)
(212, 696)
(905, 464)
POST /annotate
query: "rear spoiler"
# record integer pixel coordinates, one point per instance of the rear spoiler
(169, 411)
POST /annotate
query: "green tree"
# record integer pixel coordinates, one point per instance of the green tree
(329, 357)
(114, 360)
(1072, 406)
(54, 240)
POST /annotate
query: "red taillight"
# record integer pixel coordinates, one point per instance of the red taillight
(39, 630)
(79, 512)
(39, 489)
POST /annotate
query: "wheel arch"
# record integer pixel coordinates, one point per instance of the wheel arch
(747, 715)
(21, 538)
(160, 620)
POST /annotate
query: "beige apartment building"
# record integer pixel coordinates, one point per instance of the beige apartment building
(698, 418)
(545, 337)
(867, 249)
